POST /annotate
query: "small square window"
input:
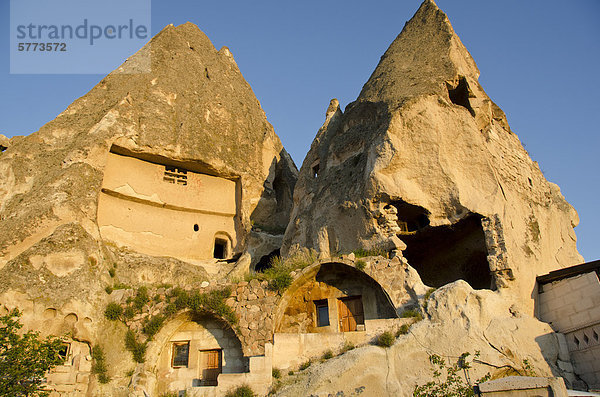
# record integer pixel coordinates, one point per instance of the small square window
(322, 309)
(181, 351)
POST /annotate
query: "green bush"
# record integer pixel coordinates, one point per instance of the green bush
(426, 297)
(138, 349)
(99, 367)
(25, 358)
(360, 265)
(113, 311)
(241, 391)
(108, 289)
(170, 309)
(327, 355)
(111, 271)
(129, 312)
(386, 339)
(141, 298)
(305, 365)
(403, 330)
(362, 253)
(412, 313)
(348, 346)
(276, 373)
(153, 325)
(290, 372)
(453, 384)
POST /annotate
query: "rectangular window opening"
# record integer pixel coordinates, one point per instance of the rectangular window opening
(175, 175)
(322, 309)
(220, 251)
(181, 352)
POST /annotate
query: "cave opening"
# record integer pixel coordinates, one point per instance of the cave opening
(459, 95)
(410, 218)
(443, 254)
(266, 261)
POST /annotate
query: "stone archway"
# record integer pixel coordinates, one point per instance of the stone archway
(192, 350)
(330, 280)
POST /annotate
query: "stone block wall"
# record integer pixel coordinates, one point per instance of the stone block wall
(572, 307)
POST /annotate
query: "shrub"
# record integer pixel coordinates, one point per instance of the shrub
(99, 366)
(111, 271)
(241, 391)
(129, 312)
(360, 265)
(276, 373)
(348, 346)
(403, 330)
(376, 251)
(327, 355)
(170, 309)
(25, 358)
(141, 298)
(108, 289)
(305, 365)
(386, 339)
(290, 372)
(138, 349)
(453, 384)
(281, 281)
(412, 313)
(113, 311)
(426, 297)
(153, 326)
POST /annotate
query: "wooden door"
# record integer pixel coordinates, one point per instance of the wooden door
(350, 313)
(210, 366)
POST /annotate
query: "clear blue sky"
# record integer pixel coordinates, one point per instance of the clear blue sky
(539, 61)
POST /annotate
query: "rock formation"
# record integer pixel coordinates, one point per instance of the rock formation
(424, 158)
(78, 197)
(128, 222)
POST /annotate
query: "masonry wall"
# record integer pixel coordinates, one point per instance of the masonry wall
(572, 307)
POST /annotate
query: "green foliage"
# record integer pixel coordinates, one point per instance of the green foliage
(113, 311)
(108, 289)
(153, 325)
(170, 309)
(452, 384)
(181, 297)
(412, 313)
(120, 286)
(360, 265)
(157, 298)
(112, 271)
(348, 346)
(386, 339)
(403, 330)
(241, 391)
(24, 358)
(129, 312)
(141, 298)
(327, 355)
(290, 372)
(276, 373)
(170, 394)
(426, 297)
(305, 365)
(138, 349)
(376, 251)
(99, 368)
(528, 369)
(130, 372)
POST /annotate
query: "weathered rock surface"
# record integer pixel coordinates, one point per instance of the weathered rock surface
(424, 155)
(459, 320)
(194, 109)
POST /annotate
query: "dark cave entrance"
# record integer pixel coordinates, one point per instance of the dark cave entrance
(443, 254)
(265, 261)
(459, 95)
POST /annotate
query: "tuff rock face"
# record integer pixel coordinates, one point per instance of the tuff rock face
(423, 161)
(195, 112)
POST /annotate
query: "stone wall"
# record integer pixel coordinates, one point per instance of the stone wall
(572, 306)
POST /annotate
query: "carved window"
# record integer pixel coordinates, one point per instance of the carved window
(175, 175)
(64, 351)
(322, 309)
(181, 352)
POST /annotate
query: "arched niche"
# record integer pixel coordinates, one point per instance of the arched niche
(332, 296)
(192, 350)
